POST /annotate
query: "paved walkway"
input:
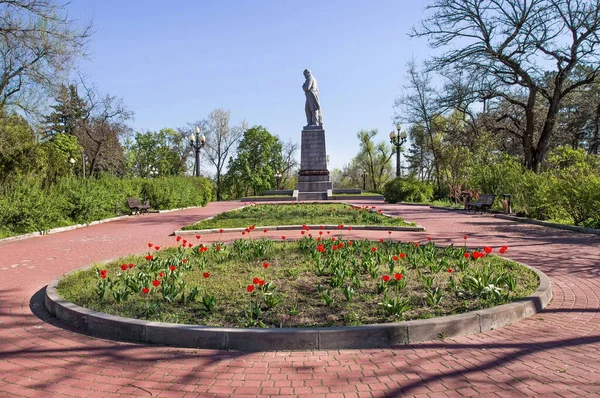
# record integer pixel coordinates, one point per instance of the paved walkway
(555, 353)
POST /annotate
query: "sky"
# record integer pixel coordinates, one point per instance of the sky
(174, 62)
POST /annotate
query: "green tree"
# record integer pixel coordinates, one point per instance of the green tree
(159, 150)
(374, 159)
(20, 152)
(68, 112)
(258, 156)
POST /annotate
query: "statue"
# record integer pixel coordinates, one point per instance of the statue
(314, 117)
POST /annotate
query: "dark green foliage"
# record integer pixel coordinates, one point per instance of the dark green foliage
(27, 207)
(408, 190)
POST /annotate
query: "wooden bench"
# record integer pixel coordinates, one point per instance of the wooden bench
(136, 206)
(483, 203)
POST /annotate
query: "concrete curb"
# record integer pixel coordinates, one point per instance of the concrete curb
(418, 228)
(524, 220)
(77, 226)
(573, 228)
(323, 338)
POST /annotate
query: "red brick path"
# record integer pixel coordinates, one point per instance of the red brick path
(555, 353)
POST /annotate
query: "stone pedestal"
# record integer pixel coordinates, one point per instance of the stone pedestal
(313, 178)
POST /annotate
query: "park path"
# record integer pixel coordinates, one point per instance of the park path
(555, 353)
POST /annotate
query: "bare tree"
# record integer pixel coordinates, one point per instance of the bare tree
(221, 141)
(513, 45)
(420, 105)
(38, 44)
(289, 162)
(98, 131)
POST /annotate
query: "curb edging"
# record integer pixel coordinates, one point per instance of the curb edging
(77, 226)
(322, 338)
(572, 228)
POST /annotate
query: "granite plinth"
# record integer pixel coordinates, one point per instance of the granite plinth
(313, 177)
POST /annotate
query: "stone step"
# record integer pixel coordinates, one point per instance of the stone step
(305, 196)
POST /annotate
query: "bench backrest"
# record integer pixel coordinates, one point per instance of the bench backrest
(486, 198)
(133, 202)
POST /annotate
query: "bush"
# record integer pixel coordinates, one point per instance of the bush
(407, 190)
(26, 207)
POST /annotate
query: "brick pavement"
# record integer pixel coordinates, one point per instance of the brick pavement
(553, 354)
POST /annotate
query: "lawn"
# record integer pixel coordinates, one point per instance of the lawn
(299, 214)
(310, 282)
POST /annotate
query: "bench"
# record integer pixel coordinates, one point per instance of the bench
(136, 206)
(483, 203)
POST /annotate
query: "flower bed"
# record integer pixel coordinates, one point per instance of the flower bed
(317, 281)
(298, 214)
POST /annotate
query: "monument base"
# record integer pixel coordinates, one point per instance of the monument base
(313, 178)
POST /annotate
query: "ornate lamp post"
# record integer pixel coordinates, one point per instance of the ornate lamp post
(277, 178)
(197, 143)
(153, 172)
(72, 163)
(398, 139)
(363, 174)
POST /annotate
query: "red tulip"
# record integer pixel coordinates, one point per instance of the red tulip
(150, 244)
(334, 247)
(149, 257)
(402, 255)
(380, 240)
(218, 248)
(466, 255)
(185, 260)
(184, 242)
(397, 276)
(173, 268)
(250, 288)
(373, 249)
(205, 274)
(389, 232)
(385, 278)
(265, 230)
(465, 237)
(395, 258)
(266, 265)
(178, 238)
(156, 247)
(428, 238)
(203, 249)
(131, 265)
(124, 267)
(221, 230)
(341, 244)
(302, 232)
(161, 274)
(197, 236)
(145, 290)
(243, 232)
(156, 282)
(450, 270)
(328, 232)
(503, 249)
(487, 249)
(350, 228)
(283, 237)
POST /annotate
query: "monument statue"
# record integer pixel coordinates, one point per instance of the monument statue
(314, 117)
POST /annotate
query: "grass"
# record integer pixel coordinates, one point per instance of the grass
(295, 278)
(298, 214)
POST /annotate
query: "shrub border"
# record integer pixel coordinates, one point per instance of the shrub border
(321, 338)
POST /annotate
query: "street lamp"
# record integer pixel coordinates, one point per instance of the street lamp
(277, 178)
(84, 160)
(398, 139)
(153, 172)
(363, 174)
(197, 143)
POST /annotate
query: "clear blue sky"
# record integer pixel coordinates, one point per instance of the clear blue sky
(174, 62)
